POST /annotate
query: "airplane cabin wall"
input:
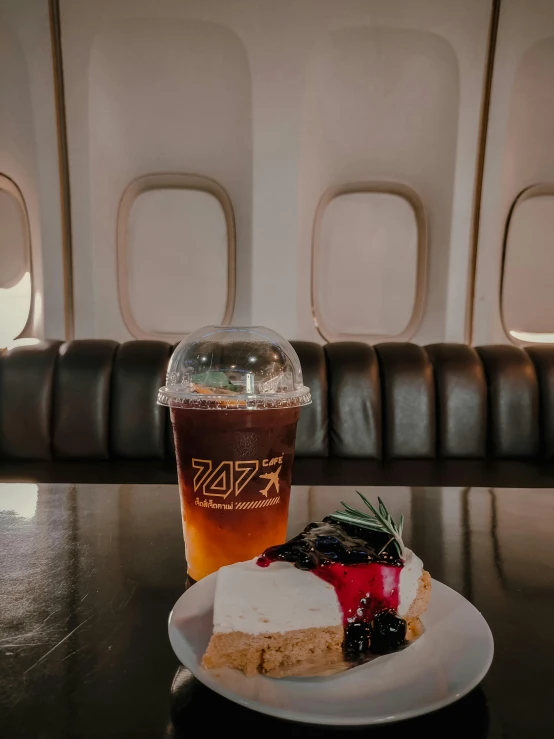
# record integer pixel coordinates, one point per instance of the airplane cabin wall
(514, 300)
(30, 210)
(373, 107)
(308, 165)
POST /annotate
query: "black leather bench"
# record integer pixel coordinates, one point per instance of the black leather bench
(444, 414)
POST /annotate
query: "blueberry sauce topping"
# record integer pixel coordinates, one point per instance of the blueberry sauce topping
(364, 570)
(331, 541)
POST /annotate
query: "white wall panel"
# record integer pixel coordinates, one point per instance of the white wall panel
(29, 157)
(519, 155)
(145, 96)
(366, 249)
(277, 102)
(527, 294)
(178, 249)
(395, 96)
(176, 255)
(384, 104)
(14, 242)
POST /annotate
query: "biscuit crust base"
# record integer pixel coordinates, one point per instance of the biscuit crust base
(265, 653)
(284, 652)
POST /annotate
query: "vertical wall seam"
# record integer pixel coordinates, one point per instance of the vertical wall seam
(480, 170)
(63, 167)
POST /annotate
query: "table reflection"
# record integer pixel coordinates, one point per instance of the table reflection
(89, 573)
(194, 705)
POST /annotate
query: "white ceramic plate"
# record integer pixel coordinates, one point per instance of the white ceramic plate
(448, 661)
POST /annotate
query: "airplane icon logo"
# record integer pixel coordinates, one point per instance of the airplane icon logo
(273, 478)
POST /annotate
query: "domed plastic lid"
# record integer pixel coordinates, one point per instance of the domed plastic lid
(234, 368)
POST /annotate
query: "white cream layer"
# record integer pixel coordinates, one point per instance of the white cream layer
(279, 598)
(409, 581)
(283, 598)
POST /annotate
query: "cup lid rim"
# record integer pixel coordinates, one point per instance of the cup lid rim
(174, 398)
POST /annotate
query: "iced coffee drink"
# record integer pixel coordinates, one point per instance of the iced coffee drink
(234, 396)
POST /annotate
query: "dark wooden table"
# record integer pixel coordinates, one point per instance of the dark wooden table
(88, 575)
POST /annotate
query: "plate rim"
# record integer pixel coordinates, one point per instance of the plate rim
(318, 719)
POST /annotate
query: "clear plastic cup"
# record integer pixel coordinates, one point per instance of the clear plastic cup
(234, 396)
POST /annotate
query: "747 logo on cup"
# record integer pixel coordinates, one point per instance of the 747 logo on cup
(230, 477)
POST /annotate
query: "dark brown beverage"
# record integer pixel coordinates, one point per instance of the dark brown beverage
(234, 470)
(235, 395)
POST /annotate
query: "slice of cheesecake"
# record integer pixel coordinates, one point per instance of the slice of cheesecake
(272, 618)
(336, 592)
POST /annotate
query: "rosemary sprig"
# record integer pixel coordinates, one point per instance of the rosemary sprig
(380, 520)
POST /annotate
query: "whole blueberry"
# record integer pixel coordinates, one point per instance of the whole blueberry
(388, 632)
(357, 640)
